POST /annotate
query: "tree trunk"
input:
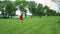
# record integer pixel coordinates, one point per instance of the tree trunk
(11, 16)
(25, 15)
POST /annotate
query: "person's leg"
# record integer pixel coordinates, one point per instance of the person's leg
(20, 22)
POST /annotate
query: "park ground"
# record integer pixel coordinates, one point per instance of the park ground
(31, 25)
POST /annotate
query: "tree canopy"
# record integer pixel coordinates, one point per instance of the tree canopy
(8, 8)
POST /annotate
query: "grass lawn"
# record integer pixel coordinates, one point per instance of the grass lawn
(31, 25)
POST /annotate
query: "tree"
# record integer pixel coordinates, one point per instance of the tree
(2, 7)
(40, 10)
(32, 7)
(58, 14)
(22, 5)
(50, 12)
(10, 9)
(7, 8)
(45, 9)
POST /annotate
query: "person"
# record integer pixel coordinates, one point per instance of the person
(21, 19)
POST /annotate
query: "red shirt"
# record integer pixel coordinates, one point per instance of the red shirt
(21, 17)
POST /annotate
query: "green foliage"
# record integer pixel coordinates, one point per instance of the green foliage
(23, 6)
(58, 14)
(46, 7)
(32, 7)
(40, 10)
(20, 0)
(50, 12)
(17, 3)
(8, 8)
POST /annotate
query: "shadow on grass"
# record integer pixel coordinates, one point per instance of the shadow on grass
(58, 21)
(4, 18)
(8, 18)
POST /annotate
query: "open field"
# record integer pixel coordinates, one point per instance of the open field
(31, 25)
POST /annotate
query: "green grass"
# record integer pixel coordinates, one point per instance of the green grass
(31, 25)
